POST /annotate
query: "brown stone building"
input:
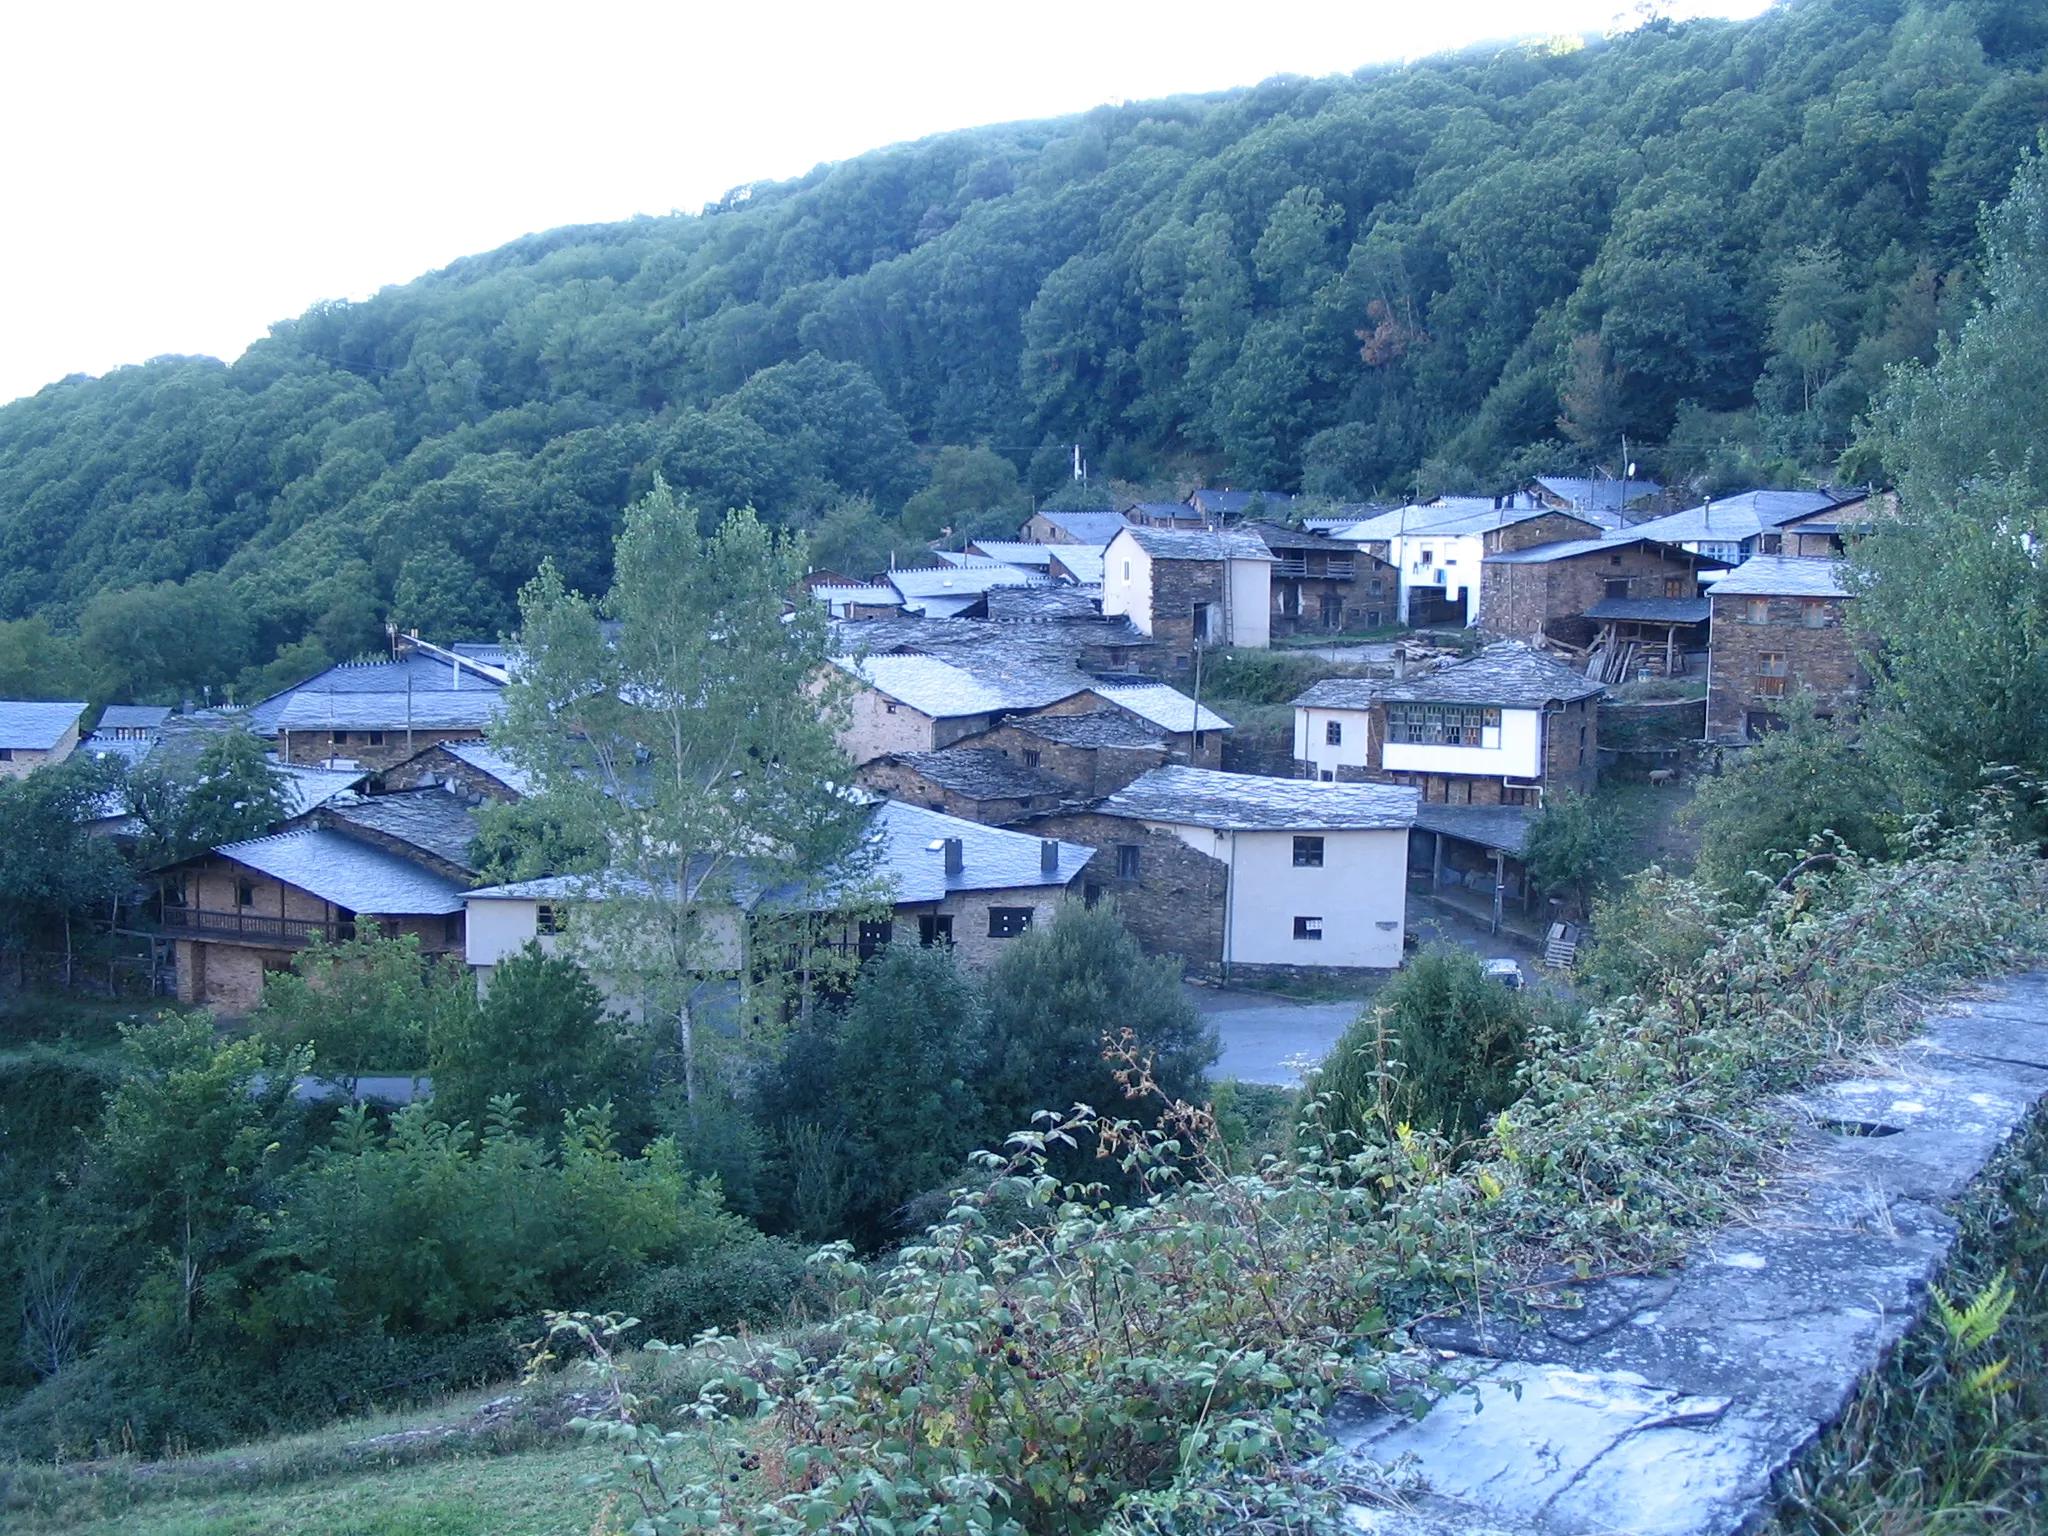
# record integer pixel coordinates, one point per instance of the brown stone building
(473, 769)
(1094, 529)
(1548, 589)
(380, 730)
(247, 908)
(1098, 752)
(1321, 586)
(973, 783)
(1782, 624)
(1170, 896)
(1189, 589)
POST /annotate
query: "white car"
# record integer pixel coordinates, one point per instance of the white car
(1507, 972)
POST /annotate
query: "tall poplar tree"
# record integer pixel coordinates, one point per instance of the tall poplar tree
(685, 725)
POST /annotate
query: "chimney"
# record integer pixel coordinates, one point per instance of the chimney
(1049, 856)
(956, 855)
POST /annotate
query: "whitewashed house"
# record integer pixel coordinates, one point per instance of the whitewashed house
(1189, 588)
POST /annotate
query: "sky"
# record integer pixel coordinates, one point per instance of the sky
(179, 176)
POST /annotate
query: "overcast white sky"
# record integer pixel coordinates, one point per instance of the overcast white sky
(178, 176)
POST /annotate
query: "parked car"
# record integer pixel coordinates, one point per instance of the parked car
(1507, 972)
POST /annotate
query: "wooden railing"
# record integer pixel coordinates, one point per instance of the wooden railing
(252, 928)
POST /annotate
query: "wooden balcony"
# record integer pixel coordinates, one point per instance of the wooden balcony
(251, 928)
(1316, 567)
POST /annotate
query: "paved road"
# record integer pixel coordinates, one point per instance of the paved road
(1271, 1039)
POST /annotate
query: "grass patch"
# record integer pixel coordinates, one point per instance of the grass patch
(1645, 822)
(1380, 636)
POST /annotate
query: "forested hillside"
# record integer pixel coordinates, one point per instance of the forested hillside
(1712, 237)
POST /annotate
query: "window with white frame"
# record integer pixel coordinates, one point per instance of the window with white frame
(1442, 725)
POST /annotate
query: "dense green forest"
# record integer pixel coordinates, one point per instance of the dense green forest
(1710, 236)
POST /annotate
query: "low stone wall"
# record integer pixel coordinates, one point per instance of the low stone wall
(1670, 1405)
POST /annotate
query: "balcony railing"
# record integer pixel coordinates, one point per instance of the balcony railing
(1331, 567)
(251, 928)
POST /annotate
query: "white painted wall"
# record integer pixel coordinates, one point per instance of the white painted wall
(498, 928)
(1127, 581)
(1461, 558)
(1251, 602)
(1311, 743)
(1519, 752)
(1360, 893)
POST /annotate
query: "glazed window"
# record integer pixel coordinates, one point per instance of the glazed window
(1308, 853)
(1008, 922)
(1308, 927)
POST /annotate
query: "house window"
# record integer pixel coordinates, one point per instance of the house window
(1457, 791)
(1333, 734)
(1428, 557)
(1617, 587)
(1582, 743)
(1201, 740)
(1127, 861)
(1771, 672)
(1308, 927)
(341, 738)
(1814, 615)
(1333, 612)
(1008, 922)
(1030, 757)
(451, 929)
(1440, 725)
(376, 738)
(1127, 570)
(1372, 616)
(1516, 794)
(6, 754)
(1308, 853)
(1180, 663)
(935, 930)
(245, 893)
(1757, 611)
(1377, 588)
(1091, 894)
(1329, 776)
(548, 917)
(1674, 586)
(1614, 559)
(874, 938)
(890, 707)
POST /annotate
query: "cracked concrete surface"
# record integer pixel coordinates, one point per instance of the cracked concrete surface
(1668, 1406)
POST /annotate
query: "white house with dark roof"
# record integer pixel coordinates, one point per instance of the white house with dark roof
(1730, 529)
(1189, 588)
(949, 881)
(1498, 729)
(1306, 875)
(1440, 550)
(247, 908)
(33, 733)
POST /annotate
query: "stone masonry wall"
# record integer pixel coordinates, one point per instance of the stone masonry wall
(443, 768)
(1173, 907)
(1554, 528)
(1096, 771)
(1516, 601)
(1177, 586)
(374, 750)
(899, 781)
(1822, 659)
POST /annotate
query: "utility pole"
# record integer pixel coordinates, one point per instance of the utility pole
(1080, 464)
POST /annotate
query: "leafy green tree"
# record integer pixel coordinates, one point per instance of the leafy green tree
(525, 839)
(1570, 846)
(1438, 1049)
(1759, 816)
(968, 485)
(36, 664)
(368, 1003)
(165, 641)
(695, 740)
(1060, 994)
(231, 791)
(542, 1036)
(54, 873)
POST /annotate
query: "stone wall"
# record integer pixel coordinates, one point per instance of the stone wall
(970, 913)
(1517, 600)
(372, 750)
(1821, 658)
(1096, 771)
(1177, 587)
(1552, 528)
(1173, 907)
(900, 781)
(444, 768)
(1571, 747)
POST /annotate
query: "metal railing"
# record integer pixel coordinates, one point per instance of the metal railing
(196, 922)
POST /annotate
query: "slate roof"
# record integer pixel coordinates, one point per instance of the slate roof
(130, 749)
(348, 873)
(485, 758)
(1597, 495)
(1097, 728)
(1572, 549)
(1038, 604)
(133, 717)
(1510, 675)
(1339, 693)
(982, 773)
(1027, 665)
(425, 675)
(838, 599)
(36, 727)
(1653, 610)
(966, 560)
(473, 707)
(306, 788)
(1164, 705)
(1733, 519)
(1093, 528)
(1247, 802)
(1232, 503)
(1475, 515)
(1199, 544)
(1170, 511)
(1080, 562)
(950, 588)
(902, 838)
(1783, 576)
(1277, 538)
(1505, 827)
(430, 819)
(1013, 552)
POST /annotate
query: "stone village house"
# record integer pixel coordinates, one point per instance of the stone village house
(33, 734)
(1782, 623)
(1551, 590)
(1321, 586)
(1191, 588)
(1439, 552)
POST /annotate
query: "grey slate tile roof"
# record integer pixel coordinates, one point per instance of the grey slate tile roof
(944, 691)
(902, 837)
(130, 750)
(1164, 706)
(1093, 528)
(1732, 519)
(431, 819)
(1198, 544)
(487, 759)
(1277, 538)
(982, 773)
(1783, 576)
(473, 707)
(1598, 495)
(348, 873)
(133, 717)
(422, 673)
(1572, 549)
(1245, 802)
(1097, 728)
(1013, 552)
(952, 587)
(1653, 610)
(1475, 515)
(1505, 827)
(1014, 605)
(1014, 665)
(1171, 511)
(1080, 562)
(306, 788)
(1509, 674)
(1340, 693)
(36, 727)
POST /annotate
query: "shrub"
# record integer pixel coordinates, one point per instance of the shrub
(361, 1005)
(753, 1285)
